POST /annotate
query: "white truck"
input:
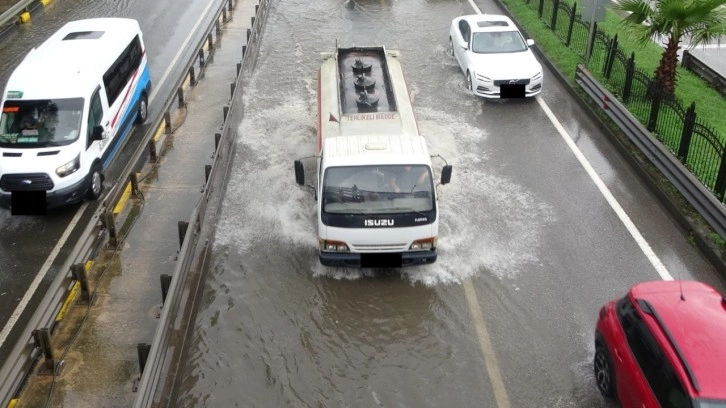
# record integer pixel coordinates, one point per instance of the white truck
(376, 193)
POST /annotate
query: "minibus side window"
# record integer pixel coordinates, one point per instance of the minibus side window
(95, 115)
(120, 72)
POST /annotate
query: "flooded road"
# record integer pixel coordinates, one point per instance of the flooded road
(529, 248)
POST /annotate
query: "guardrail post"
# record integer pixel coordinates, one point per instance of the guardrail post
(207, 172)
(182, 226)
(110, 224)
(167, 123)
(239, 68)
(210, 42)
(201, 58)
(152, 151)
(143, 350)
(192, 77)
(42, 340)
(249, 34)
(134, 179)
(555, 8)
(629, 75)
(231, 89)
(217, 27)
(573, 12)
(79, 273)
(224, 17)
(244, 49)
(180, 97)
(217, 138)
(225, 111)
(231, 5)
(165, 284)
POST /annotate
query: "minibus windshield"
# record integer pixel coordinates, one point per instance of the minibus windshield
(40, 123)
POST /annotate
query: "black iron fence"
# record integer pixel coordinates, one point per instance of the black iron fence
(693, 141)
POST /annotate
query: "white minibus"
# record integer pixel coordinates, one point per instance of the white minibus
(67, 109)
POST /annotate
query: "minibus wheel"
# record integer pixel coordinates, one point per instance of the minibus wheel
(95, 188)
(143, 109)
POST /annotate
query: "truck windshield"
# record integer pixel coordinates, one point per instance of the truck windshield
(40, 123)
(378, 189)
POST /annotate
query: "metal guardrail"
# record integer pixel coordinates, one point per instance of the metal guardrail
(6, 18)
(99, 231)
(164, 358)
(687, 184)
(695, 65)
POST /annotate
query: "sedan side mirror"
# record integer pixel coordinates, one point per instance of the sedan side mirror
(530, 42)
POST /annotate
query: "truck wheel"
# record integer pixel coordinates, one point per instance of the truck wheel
(95, 188)
(143, 110)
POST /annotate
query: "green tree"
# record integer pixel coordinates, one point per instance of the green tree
(697, 21)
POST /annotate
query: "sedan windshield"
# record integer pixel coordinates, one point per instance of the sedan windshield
(378, 189)
(498, 42)
(40, 123)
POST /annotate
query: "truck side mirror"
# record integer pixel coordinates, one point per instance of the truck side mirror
(299, 173)
(446, 174)
(97, 133)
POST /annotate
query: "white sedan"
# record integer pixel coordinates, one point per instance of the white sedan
(495, 57)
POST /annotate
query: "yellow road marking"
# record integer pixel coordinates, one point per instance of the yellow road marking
(122, 201)
(490, 359)
(159, 132)
(69, 300)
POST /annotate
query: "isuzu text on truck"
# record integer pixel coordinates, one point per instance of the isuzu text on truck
(376, 196)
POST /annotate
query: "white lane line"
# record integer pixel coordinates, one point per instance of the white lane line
(181, 49)
(624, 218)
(475, 7)
(490, 359)
(41, 274)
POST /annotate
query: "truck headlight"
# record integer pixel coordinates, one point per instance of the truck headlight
(333, 246)
(423, 244)
(69, 168)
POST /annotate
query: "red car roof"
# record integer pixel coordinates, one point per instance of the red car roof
(696, 324)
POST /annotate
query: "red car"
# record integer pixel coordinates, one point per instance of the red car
(663, 345)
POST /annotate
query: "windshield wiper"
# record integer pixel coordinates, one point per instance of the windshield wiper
(409, 209)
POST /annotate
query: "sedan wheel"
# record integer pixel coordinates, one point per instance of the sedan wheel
(451, 47)
(603, 369)
(469, 82)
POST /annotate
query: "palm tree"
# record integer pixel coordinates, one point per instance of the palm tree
(699, 21)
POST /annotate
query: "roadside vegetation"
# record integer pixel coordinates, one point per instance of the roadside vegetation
(710, 105)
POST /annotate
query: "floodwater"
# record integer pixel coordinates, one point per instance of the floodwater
(275, 328)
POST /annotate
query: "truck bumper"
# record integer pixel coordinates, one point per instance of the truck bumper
(377, 260)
